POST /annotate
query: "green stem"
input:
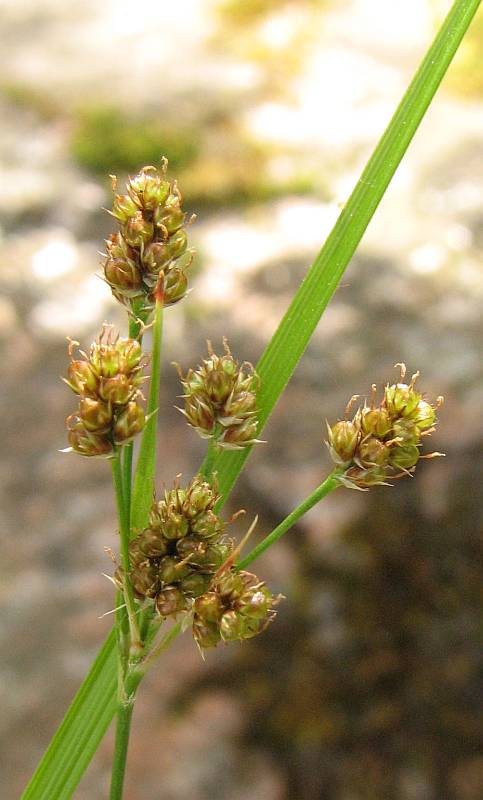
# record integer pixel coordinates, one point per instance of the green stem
(327, 486)
(123, 728)
(146, 463)
(212, 454)
(124, 532)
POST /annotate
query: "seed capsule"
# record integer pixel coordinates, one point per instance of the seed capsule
(405, 457)
(87, 443)
(95, 415)
(170, 601)
(129, 423)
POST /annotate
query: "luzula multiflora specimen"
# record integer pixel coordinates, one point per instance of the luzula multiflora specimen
(183, 563)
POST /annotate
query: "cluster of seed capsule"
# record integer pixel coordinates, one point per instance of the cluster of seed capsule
(220, 399)
(174, 559)
(237, 606)
(150, 249)
(108, 381)
(383, 441)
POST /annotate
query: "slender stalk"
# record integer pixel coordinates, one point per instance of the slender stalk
(123, 728)
(212, 453)
(159, 647)
(124, 531)
(146, 463)
(327, 486)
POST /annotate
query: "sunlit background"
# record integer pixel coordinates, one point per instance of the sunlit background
(366, 686)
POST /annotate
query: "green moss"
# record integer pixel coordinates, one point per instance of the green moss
(31, 98)
(105, 140)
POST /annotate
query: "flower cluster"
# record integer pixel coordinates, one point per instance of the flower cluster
(383, 441)
(174, 559)
(237, 606)
(221, 400)
(150, 249)
(108, 382)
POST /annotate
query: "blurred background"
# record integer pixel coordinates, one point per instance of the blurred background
(366, 686)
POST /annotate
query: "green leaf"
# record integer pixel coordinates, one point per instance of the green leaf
(142, 493)
(87, 719)
(78, 737)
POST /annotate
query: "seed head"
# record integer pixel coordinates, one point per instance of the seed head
(150, 248)
(382, 441)
(183, 547)
(221, 399)
(108, 382)
(236, 606)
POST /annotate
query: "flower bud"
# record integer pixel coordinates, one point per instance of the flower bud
(373, 452)
(156, 256)
(148, 190)
(86, 443)
(401, 399)
(207, 525)
(206, 634)
(124, 276)
(200, 415)
(117, 390)
(344, 437)
(405, 457)
(144, 579)
(376, 421)
(95, 415)
(170, 217)
(81, 379)
(124, 208)
(175, 526)
(209, 607)
(200, 496)
(424, 415)
(170, 601)
(129, 423)
(236, 437)
(175, 286)
(168, 571)
(406, 431)
(256, 604)
(138, 231)
(151, 543)
(194, 584)
(136, 555)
